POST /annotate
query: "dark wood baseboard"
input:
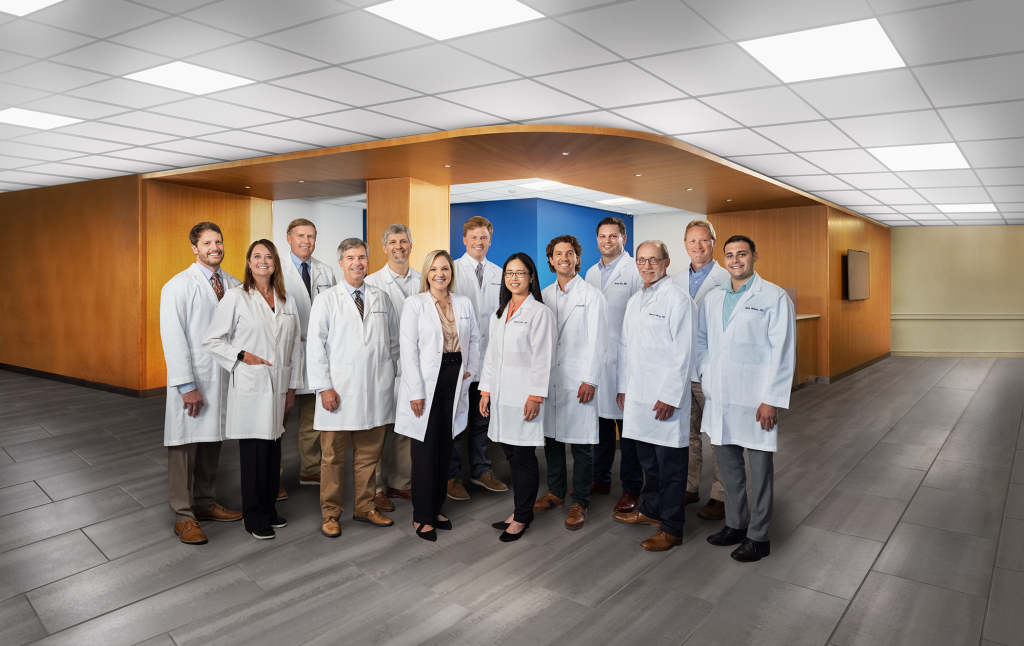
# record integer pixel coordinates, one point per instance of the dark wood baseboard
(846, 373)
(95, 385)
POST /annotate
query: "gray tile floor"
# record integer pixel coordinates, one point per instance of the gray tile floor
(899, 519)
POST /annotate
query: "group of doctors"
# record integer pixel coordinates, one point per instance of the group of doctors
(406, 365)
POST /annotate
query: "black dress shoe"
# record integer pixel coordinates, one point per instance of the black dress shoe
(508, 538)
(443, 524)
(728, 536)
(750, 550)
(427, 536)
(277, 521)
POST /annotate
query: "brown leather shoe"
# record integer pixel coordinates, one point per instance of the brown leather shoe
(627, 503)
(331, 528)
(281, 493)
(189, 533)
(404, 494)
(604, 490)
(455, 489)
(576, 517)
(714, 510)
(691, 497)
(661, 542)
(548, 501)
(218, 513)
(373, 517)
(635, 518)
(489, 481)
(312, 481)
(382, 502)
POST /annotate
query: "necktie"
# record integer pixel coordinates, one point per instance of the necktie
(480, 274)
(218, 289)
(305, 279)
(359, 303)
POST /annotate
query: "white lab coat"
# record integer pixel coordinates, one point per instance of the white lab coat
(422, 348)
(256, 394)
(749, 363)
(715, 278)
(658, 347)
(187, 304)
(485, 300)
(356, 357)
(384, 281)
(517, 365)
(622, 284)
(581, 319)
(321, 278)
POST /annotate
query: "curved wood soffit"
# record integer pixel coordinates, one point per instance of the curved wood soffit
(601, 159)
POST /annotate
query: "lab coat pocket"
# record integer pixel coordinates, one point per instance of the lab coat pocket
(252, 379)
(751, 326)
(385, 376)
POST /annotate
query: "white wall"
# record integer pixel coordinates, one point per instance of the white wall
(670, 228)
(333, 224)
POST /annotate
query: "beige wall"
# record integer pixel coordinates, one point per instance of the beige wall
(958, 291)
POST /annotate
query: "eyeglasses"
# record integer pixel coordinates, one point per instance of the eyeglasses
(648, 261)
(516, 274)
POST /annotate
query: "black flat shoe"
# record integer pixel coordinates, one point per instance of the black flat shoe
(508, 538)
(427, 536)
(443, 524)
(728, 536)
(502, 525)
(278, 522)
(750, 550)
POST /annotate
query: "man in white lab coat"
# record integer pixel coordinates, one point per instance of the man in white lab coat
(746, 359)
(703, 274)
(617, 277)
(196, 386)
(399, 281)
(657, 350)
(352, 349)
(304, 278)
(480, 280)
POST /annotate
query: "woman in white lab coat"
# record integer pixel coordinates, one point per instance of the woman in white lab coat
(255, 335)
(439, 351)
(515, 376)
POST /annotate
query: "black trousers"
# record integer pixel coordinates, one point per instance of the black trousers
(630, 473)
(522, 462)
(664, 494)
(260, 462)
(431, 458)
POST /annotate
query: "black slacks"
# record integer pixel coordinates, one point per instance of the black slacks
(431, 458)
(522, 461)
(260, 464)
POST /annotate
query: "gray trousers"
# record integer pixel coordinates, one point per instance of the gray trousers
(734, 479)
(192, 477)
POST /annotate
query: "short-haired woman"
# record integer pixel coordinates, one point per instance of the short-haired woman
(255, 335)
(515, 375)
(439, 339)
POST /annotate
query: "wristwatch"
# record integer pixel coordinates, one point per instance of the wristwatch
(241, 355)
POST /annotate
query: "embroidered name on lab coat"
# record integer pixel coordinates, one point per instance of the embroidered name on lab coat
(660, 316)
(755, 309)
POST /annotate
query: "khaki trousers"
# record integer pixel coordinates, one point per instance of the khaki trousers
(366, 449)
(309, 439)
(192, 477)
(399, 450)
(696, 447)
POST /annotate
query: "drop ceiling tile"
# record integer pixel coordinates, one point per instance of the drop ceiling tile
(845, 161)
(977, 81)
(965, 195)
(897, 196)
(69, 142)
(612, 85)
(14, 95)
(277, 100)
(123, 165)
(165, 158)
(35, 179)
(644, 27)
(883, 212)
(438, 68)
(709, 70)
(348, 37)
(210, 149)
(678, 117)
(131, 94)
(78, 172)
(518, 100)
(118, 134)
(345, 87)
(763, 107)
(904, 129)
(776, 165)
(256, 17)
(70, 106)
(730, 143)
(546, 7)
(311, 133)
(110, 58)
(600, 119)
(873, 180)
(981, 154)
(256, 61)
(812, 183)
(1011, 207)
(741, 19)
(552, 48)
(8, 131)
(42, 41)
(51, 77)
(10, 60)
(992, 121)
(461, 199)
(9, 186)
(957, 30)
(11, 163)
(874, 93)
(255, 141)
(1007, 193)
(16, 149)
(438, 113)
(161, 123)
(812, 135)
(979, 223)
(217, 113)
(372, 124)
(921, 210)
(176, 38)
(99, 18)
(847, 198)
(173, 6)
(991, 176)
(939, 178)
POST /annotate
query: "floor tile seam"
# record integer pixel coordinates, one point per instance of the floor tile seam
(932, 585)
(952, 531)
(834, 596)
(966, 493)
(26, 592)
(73, 529)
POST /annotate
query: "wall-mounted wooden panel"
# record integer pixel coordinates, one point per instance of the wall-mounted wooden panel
(422, 207)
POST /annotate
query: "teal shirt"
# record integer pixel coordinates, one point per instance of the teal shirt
(731, 298)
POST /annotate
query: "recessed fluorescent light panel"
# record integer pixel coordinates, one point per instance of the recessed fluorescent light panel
(829, 51)
(926, 157)
(967, 208)
(443, 19)
(618, 201)
(33, 119)
(24, 7)
(189, 78)
(546, 185)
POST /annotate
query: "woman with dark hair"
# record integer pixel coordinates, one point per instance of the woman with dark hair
(515, 375)
(255, 336)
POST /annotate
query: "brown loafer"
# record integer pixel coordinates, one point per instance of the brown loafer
(218, 513)
(382, 502)
(627, 503)
(281, 493)
(635, 518)
(456, 490)
(576, 517)
(714, 510)
(373, 517)
(691, 497)
(546, 502)
(312, 481)
(604, 490)
(331, 528)
(404, 494)
(189, 533)
(661, 542)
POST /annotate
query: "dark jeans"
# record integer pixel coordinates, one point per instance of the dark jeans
(431, 457)
(260, 465)
(582, 470)
(664, 493)
(630, 473)
(522, 461)
(476, 431)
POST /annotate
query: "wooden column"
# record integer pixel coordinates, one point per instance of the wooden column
(422, 207)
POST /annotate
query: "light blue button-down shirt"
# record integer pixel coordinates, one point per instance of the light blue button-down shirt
(352, 290)
(731, 298)
(607, 270)
(697, 277)
(298, 262)
(190, 386)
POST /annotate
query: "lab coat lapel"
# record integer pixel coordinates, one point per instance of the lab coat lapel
(428, 304)
(569, 306)
(205, 287)
(755, 286)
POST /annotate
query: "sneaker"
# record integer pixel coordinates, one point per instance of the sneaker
(264, 534)
(278, 522)
(455, 489)
(489, 481)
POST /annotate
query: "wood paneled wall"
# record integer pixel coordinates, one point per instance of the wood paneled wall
(424, 208)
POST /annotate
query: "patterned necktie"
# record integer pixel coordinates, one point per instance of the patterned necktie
(359, 303)
(480, 274)
(305, 279)
(218, 289)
